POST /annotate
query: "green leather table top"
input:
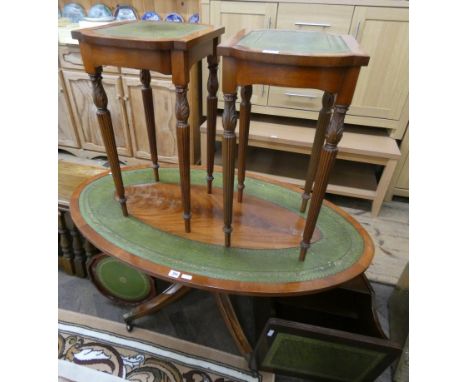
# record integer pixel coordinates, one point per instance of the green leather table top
(150, 30)
(299, 42)
(339, 248)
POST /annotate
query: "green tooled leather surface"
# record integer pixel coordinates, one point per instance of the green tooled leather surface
(300, 42)
(149, 30)
(339, 248)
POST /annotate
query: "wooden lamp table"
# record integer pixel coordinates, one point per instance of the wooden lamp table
(287, 58)
(168, 48)
(261, 261)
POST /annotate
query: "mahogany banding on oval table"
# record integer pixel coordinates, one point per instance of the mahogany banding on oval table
(224, 285)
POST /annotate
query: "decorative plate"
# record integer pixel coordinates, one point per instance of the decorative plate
(152, 16)
(194, 19)
(174, 18)
(125, 12)
(75, 12)
(99, 19)
(99, 11)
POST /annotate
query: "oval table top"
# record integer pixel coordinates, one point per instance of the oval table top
(263, 259)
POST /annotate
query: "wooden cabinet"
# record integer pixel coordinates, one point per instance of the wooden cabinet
(67, 135)
(381, 27)
(400, 181)
(235, 16)
(315, 17)
(84, 112)
(164, 110)
(382, 89)
(310, 17)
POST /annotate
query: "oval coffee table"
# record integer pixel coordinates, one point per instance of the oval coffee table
(263, 261)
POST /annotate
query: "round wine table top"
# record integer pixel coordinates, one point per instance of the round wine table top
(267, 228)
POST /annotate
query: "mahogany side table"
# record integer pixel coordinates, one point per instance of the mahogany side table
(290, 59)
(168, 48)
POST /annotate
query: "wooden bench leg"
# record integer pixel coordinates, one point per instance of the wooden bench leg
(230, 319)
(147, 94)
(244, 125)
(65, 245)
(173, 293)
(382, 187)
(319, 139)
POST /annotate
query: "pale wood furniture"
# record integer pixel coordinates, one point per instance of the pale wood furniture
(381, 98)
(358, 145)
(283, 58)
(400, 181)
(380, 27)
(169, 48)
(192, 263)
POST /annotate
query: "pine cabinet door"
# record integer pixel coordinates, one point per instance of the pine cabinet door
(235, 16)
(81, 98)
(67, 135)
(164, 112)
(382, 88)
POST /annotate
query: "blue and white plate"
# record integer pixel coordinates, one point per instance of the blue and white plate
(99, 11)
(194, 19)
(152, 16)
(75, 12)
(125, 12)
(174, 18)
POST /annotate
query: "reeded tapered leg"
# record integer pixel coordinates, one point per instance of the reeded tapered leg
(244, 125)
(183, 149)
(147, 94)
(327, 159)
(322, 123)
(229, 147)
(107, 133)
(212, 106)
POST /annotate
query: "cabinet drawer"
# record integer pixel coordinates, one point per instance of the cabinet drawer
(70, 58)
(315, 17)
(292, 98)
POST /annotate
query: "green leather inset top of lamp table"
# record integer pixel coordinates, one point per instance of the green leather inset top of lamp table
(300, 59)
(167, 48)
(262, 260)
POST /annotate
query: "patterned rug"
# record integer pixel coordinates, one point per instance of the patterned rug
(93, 349)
